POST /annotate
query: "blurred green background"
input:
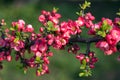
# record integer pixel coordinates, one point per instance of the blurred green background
(63, 66)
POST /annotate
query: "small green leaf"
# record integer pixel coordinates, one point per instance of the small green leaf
(25, 71)
(78, 13)
(56, 9)
(84, 61)
(119, 23)
(12, 29)
(40, 68)
(16, 39)
(101, 33)
(50, 24)
(18, 34)
(37, 60)
(85, 5)
(118, 13)
(83, 64)
(81, 74)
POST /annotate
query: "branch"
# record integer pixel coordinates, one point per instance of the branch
(86, 40)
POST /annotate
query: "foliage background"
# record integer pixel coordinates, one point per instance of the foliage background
(63, 66)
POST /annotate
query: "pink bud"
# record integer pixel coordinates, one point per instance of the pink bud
(9, 58)
(91, 66)
(91, 54)
(41, 29)
(80, 56)
(87, 59)
(41, 18)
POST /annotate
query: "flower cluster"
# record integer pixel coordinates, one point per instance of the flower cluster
(23, 40)
(111, 37)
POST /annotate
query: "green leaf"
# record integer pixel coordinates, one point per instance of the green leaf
(119, 23)
(84, 61)
(18, 34)
(83, 65)
(50, 24)
(78, 13)
(85, 5)
(56, 9)
(101, 33)
(81, 74)
(37, 59)
(118, 13)
(39, 68)
(12, 29)
(16, 39)
(25, 71)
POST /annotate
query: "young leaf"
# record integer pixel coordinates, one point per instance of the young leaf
(56, 9)
(83, 65)
(16, 39)
(12, 29)
(50, 24)
(81, 74)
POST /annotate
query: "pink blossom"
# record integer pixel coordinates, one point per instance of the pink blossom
(103, 45)
(42, 47)
(89, 16)
(38, 54)
(80, 22)
(29, 28)
(34, 47)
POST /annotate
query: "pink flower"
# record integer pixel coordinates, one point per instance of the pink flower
(54, 20)
(20, 24)
(113, 37)
(103, 45)
(73, 28)
(34, 47)
(89, 16)
(18, 45)
(42, 46)
(109, 21)
(38, 54)
(108, 52)
(80, 21)
(29, 28)
(2, 42)
(45, 59)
